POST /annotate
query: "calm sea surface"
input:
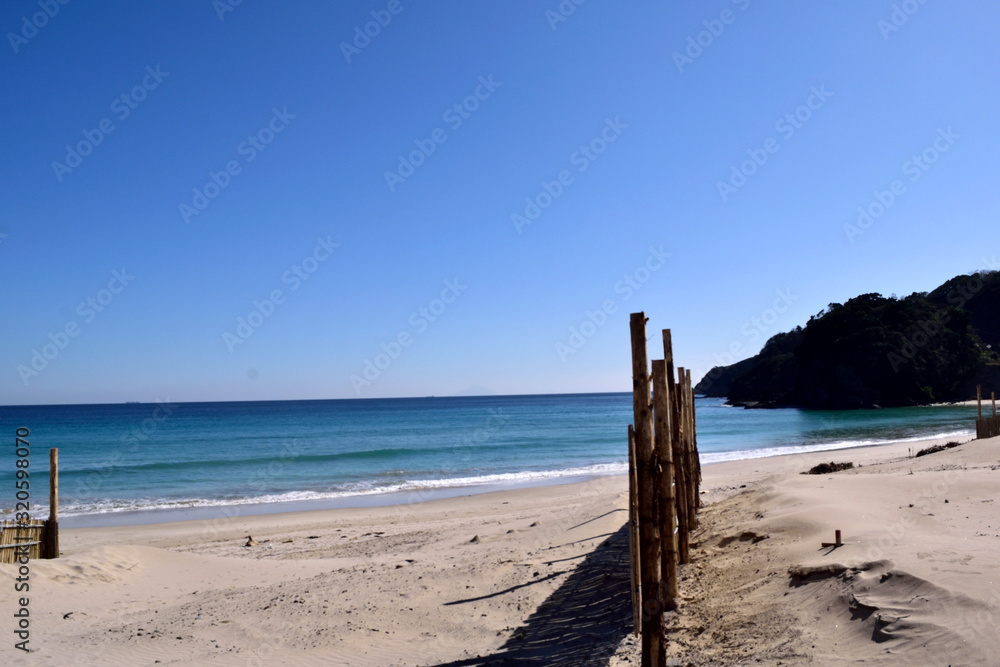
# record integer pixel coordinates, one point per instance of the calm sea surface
(116, 459)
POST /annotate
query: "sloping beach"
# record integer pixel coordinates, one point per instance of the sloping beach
(917, 581)
(540, 575)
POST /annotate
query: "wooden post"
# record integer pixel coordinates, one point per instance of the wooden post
(649, 533)
(51, 547)
(667, 505)
(689, 445)
(980, 427)
(694, 445)
(682, 477)
(837, 543)
(676, 443)
(695, 461)
(633, 535)
(689, 472)
(993, 396)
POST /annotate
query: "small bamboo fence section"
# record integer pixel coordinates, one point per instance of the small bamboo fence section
(20, 540)
(986, 427)
(34, 538)
(664, 481)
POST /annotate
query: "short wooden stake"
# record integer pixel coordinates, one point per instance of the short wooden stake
(836, 543)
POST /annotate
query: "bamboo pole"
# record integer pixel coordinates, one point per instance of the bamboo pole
(633, 535)
(694, 446)
(681, 476)
(686, 451)
(695, 461)
(981, 429)
(51, 548)
(667, 503)
(677, 432)
(649, 533)
(689, 448)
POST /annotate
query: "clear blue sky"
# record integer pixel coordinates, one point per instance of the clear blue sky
(663, 120)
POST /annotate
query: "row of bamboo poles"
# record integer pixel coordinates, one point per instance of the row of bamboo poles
(38, 538)
(986, 427)
(664, 481)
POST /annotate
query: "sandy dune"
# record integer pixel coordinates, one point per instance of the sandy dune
(917, 581)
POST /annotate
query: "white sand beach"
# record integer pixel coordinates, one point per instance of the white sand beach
(541, 574)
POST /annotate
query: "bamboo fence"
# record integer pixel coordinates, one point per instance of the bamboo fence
(39, 536)
(986, 427)
(29, 536)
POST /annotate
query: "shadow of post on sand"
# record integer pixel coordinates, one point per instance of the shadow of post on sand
(582, 622)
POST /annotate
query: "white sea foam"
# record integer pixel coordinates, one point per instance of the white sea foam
(427, 486)
(744, 454)
(363, 489)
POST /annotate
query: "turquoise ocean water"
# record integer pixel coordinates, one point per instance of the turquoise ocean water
(115, 460)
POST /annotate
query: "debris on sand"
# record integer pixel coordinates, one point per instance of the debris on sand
(824, 468)
(937, 448)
